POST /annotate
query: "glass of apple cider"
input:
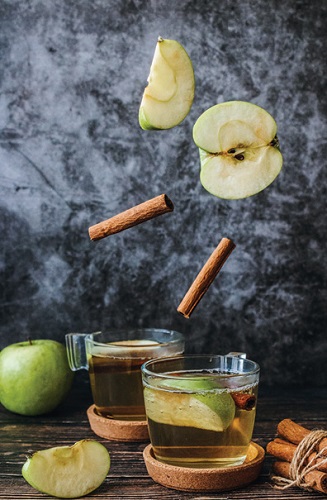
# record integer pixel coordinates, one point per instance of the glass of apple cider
(113, 360)
(201, 408)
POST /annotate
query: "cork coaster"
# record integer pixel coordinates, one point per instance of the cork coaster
(117, 430)
(204, 480)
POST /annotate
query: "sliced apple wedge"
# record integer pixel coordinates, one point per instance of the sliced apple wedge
(194, 404)
(169, 95)
(68, 471)
(239, 149)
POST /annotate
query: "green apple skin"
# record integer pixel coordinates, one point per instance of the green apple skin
(34, 376)
(169, 95)
(221, 403)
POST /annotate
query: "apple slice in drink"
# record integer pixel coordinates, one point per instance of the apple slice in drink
(190, 403)
(239, 149)
(68, 471)
(169, 95)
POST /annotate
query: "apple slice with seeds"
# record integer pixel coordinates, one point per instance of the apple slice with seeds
(68, 471)
(239, 149)
(169, 95)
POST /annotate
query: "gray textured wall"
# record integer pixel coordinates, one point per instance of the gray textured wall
(72, 154)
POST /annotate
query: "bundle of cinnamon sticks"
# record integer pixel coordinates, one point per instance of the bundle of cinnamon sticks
(284, 447)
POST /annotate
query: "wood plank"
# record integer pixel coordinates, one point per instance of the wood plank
(128, 478)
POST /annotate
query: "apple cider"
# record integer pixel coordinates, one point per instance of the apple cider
(201, 418)
(116, 385)
(192, 444)
(115, 372)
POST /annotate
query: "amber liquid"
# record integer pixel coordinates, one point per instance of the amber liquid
(116, 386)
(115, 376)
(195, 447)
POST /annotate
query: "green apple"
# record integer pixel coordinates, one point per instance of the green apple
(239, 149)
(169, 95)
(34, 376)
(68, 471)
(191, 403)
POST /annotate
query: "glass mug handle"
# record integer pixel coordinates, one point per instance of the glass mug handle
(76, 351)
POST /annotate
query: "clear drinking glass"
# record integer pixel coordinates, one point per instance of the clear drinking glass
(201, 408)
(113, 360)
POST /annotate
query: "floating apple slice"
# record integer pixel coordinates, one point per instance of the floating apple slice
(169, 95)
(68, 471)
(239, 150)
(190, 403)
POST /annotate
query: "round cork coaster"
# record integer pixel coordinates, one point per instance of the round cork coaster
(117, 430)
(204, 480)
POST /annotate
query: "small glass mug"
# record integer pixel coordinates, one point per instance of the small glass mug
(201, 408)
(113, 360)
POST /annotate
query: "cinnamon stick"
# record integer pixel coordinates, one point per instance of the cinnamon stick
(243, 401)
(294, 433)
(322, 466)
(317, 480)
(132, 217)
(284, 451)
(322, 447)
(282, 441)
(205, 277)
(291, 431)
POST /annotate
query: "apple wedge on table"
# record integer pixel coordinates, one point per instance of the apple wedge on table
(239, 149)
(168, 97)
(68, 471)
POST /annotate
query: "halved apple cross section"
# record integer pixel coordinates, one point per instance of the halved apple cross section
(169, 95)
(239, 149)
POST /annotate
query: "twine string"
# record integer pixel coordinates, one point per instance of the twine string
(301, 465)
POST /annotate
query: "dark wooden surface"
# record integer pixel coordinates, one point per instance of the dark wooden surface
(128, 478)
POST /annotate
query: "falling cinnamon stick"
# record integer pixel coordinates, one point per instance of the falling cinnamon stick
(132, 217)
(315, 479)
(205, 277)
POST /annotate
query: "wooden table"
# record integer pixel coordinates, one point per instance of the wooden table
(128, 478)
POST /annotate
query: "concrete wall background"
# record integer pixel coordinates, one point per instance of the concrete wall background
(72, 154)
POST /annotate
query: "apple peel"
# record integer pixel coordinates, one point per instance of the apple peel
(169, 95)
(68, 471)
(190, 402)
